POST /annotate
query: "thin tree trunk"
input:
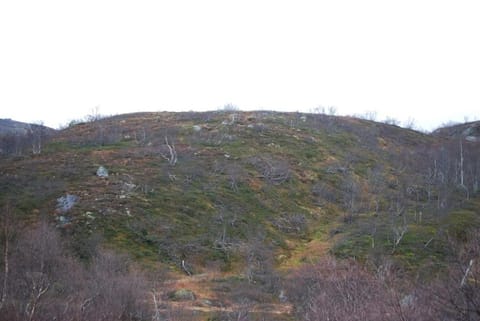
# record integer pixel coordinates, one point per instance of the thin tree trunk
(6, 267)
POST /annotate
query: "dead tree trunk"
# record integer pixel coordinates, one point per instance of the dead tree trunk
(7, 234)
(462, 172)
(172, 158)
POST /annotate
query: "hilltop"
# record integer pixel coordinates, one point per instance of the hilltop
(15, 136)
(228, 197)
(12, 127)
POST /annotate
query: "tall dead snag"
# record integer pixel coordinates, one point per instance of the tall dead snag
(467, 272)
(7, 233)
(461, 165)
(36, 135)
(462, 171)
(39, 285)
(172, 156)
(156, 306)
(397, 210)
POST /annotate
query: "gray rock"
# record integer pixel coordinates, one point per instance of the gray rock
(65, 203)
(89, 215)
(196, 128)
(63, 220)
(336, 169)
(183, 295)
(128, 187)
(408, 301)
(102, 172)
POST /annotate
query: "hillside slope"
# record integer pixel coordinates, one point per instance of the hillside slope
(249, 194)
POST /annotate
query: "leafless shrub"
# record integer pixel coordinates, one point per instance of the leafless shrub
(230, 107)
(456, 295)
(336, 291)
(324, 193)
(345, 290)
(235, 174)
(47, 284)
(291, 223)
(275, 171)
(391, 121)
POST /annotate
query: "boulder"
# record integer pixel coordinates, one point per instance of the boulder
(65, 203)
(102, 172)
(183, 295)
(63, 220)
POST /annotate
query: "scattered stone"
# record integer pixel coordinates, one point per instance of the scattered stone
(102, 172)
(336, 169)
(408, 301)
(183, 295)
(196, 128)
(207, 303)
(63, 221)
(65, 203)
(127, 188)
(282, 258)
(89, 215)
(282, 296)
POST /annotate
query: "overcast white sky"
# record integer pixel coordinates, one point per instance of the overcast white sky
(409, 58)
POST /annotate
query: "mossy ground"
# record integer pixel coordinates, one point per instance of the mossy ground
(242, 182)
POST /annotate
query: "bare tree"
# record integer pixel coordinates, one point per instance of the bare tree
(456, 294)
(171, 156)
(94, 115)
(114, 291)
(410, 123)
(36, 264)
(398, 219)
(230, 107)
(37, 136)
(391, 121)
(346, 290)
(7, 231)
(332, 110)
(462, 170)
(332, 290)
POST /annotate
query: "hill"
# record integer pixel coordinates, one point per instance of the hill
(8, 126)
(469, 131)
(231, 198)
(16, 137)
